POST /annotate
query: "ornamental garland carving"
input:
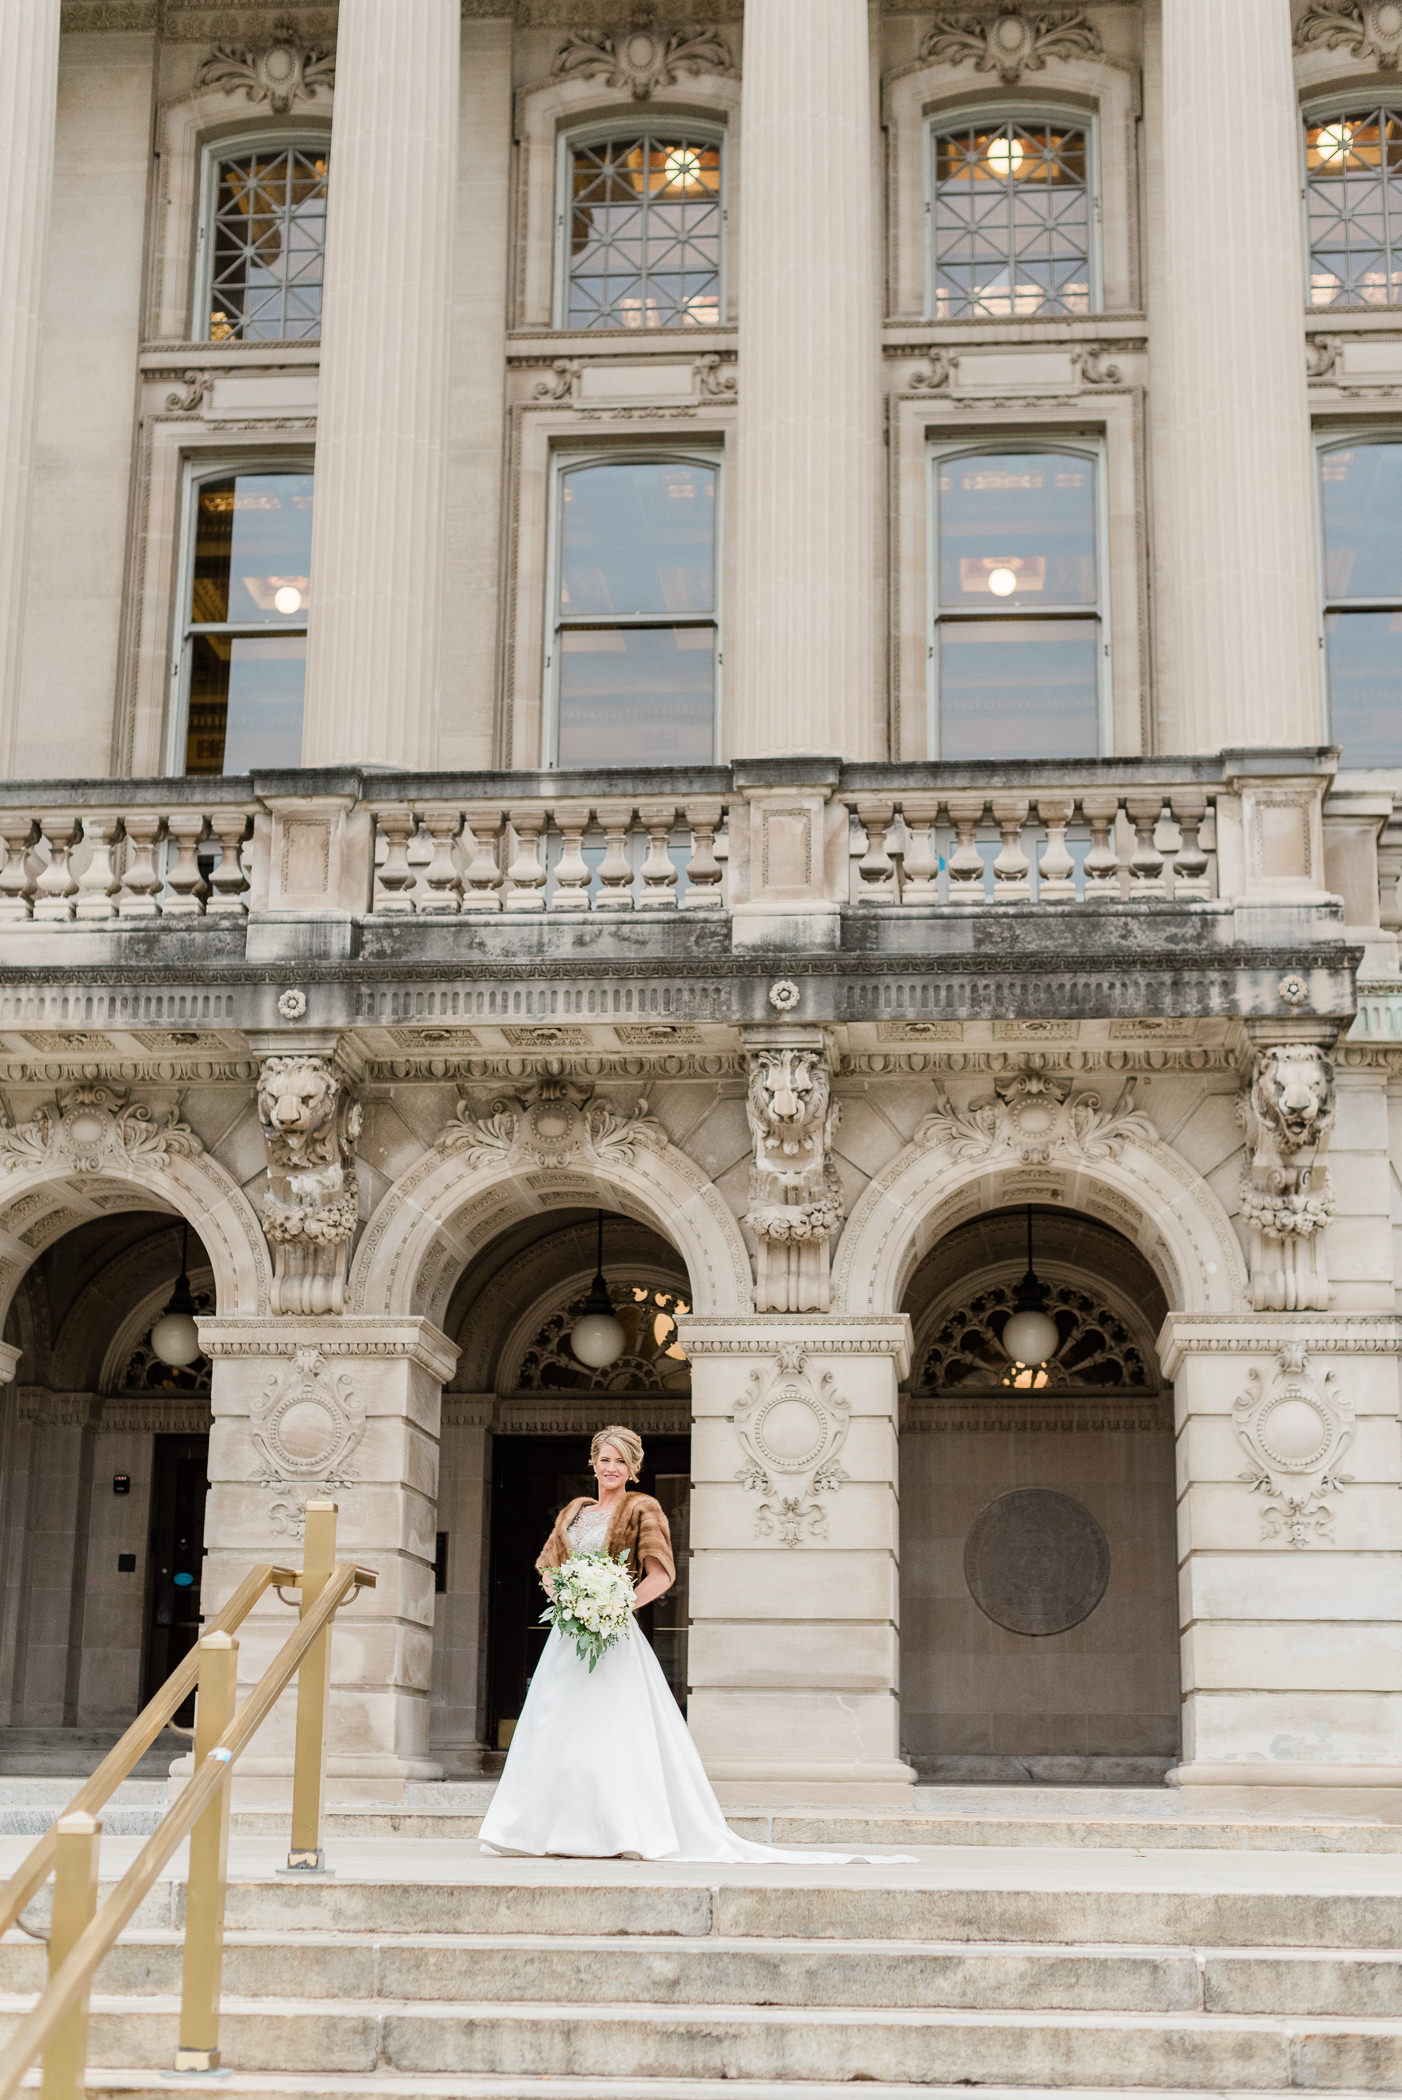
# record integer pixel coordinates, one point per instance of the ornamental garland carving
(87, 1128)
(554, 1123)
(310, 1125)
(1294, 1430)
(1009, 42)
(1033, 1116)
(793, 1426)
(640, 57)
(1286, 1197)
(796, 1202)
(1365, 28)
(284, 70)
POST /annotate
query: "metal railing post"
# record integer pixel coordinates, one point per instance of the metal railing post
(75, 1900)
(202, 1976)
(313, 1688)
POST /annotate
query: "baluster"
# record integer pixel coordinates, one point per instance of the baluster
(703, 870)
(659, 868)
(55, 890)
(1146, 863)
(396, 878)
(143, 830)
(525, 876)
(572, 869)
(615, 870)
(17, 834)
(1055, 868)
(920, 874)
(1012, 869)
(966, 870)
(228, 879)
(481, 871)
(98, 881)
(1190, 861)
(876, 871)
(1102, 861)
(442, 884)
(185, 885)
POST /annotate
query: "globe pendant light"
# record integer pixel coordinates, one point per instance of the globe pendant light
(1030, 1335)
(175, 1338)
(597, 1337)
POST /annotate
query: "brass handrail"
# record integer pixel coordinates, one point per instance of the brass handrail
(55, 2028)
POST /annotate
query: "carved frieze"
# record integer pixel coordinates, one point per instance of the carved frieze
(791, 1428)
(90, 1127)
(1010, 41)
(796, 1202)
(1034, 1116)
(1364, 28)
(310, 1125)
(639, 57)
(282, 70)
(1286, 1197)
(1295, 1429)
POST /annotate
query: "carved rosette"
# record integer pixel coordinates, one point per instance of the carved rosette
(796, 1204)
(1286, 1197)
(1033, 1116)
(639, 57)
(88, 1128)
(1372, 29)
(1008, 41)
(555, 1123)
(791, 1428)
(310, 1124)
(284, 70)
(1295, 1429)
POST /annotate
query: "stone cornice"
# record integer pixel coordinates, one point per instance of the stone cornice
(347, 1335)
(1262, 1334)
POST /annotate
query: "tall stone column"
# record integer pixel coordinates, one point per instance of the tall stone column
(1233, 502)
(28, 105)
(377, 551)
(810, 430)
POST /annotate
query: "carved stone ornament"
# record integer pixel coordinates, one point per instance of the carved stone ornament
(551, 1124)
(1294, 1429)
(310, 1125)
(1009, 42)
(1365, 28)
(795, 1197)
(283, 71)
(792, 1425)
(308, 1419)
(641, 57)
(1033, 1116)
(88, 1127)
(1286, 1198)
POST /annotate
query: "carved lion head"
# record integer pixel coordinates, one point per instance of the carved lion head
(297, 1096)
(1293, 1093)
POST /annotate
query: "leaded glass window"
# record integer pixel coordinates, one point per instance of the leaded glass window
(1010, 219)
(645, 219)
(245, 639)
(1017, 643)
(266, 233)
(1361, 506)
(637, 642)
(1353, 169)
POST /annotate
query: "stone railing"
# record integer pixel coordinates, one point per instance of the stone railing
(147, 850)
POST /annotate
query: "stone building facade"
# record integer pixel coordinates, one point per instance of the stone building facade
(766, 638)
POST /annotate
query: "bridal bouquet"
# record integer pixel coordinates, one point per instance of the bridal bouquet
(591, 1602)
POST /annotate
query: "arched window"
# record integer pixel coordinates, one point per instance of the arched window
(641, 222)
(1010, 217)
(242, 661)
(1361, 514)
(1018, 647)
(263, 241)
(1353, 179)
(636, 649)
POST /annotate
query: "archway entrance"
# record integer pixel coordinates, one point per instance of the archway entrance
(1038, 1558)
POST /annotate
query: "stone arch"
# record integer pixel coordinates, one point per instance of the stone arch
(92, 1348)
(443, 1210)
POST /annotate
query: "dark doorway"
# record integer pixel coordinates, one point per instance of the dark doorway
(175, 1562)
(533, 1477)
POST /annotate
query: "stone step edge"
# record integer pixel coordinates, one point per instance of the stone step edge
(428, 2085)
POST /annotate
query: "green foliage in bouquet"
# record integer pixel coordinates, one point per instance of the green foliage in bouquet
(591, 1602)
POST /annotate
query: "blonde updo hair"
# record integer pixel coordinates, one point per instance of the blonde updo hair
(626, 1442)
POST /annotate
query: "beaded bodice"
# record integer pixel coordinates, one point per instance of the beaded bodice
(590, 1529)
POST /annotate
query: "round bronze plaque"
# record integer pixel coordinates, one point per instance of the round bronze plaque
(1036, 1562)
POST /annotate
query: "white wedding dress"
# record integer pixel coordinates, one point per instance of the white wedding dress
(602, 1765)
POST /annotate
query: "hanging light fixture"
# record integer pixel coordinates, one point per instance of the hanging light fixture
(175, 1338)
(1030, 1335)
(597, 1337)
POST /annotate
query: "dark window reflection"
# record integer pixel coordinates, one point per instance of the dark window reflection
(645, 233)
(637, 642)
(1362, 504)
(247, 622)
(1018, 640)
(1010, 220)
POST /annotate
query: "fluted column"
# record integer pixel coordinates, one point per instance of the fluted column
(28, 103)
(377, 547)
(809, 406)
(1233, 495)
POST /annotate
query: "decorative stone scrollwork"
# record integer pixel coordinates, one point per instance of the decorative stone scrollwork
(88, 1127)
(640, 57)
(305, 1423)
(1286, 1198)
(551, 1124)
(793, 1425)
(283, 71)
(1366, 28)
(795, 1197)
(1033, 1116)
(1008, 42)
(1294, 1430)
(310, 1125)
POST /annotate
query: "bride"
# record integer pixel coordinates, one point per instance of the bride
(601, 1764)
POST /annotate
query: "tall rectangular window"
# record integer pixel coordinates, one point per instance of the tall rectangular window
(1353, 189)
(1010, 218)
(242, 663)
(644, 219)
(1017, 648)
(635, 655)
(264, 242)
(1361, 511)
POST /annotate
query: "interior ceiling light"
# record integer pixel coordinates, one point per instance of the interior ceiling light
(1004, 156)
(597, 1337)
(175, 1338)
(1030, 1335)
(1002, 582)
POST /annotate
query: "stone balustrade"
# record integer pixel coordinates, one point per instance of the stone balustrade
(147, 856)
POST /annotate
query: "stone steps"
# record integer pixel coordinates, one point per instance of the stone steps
(390, 2085)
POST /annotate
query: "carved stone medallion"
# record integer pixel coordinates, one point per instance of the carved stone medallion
(1036, 1562)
